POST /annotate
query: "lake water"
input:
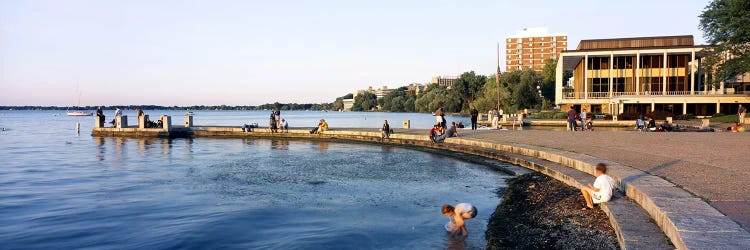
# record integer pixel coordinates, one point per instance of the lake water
(59, 190)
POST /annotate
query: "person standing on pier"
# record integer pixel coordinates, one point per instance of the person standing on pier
(474, 116)
(277, 115)
(440, 117)
(741, 114)
(572, 118)
(118, 113)
(272, 123)
(583, 119)
(100, 113)
(495, 119)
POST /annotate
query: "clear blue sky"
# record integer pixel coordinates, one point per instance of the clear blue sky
(253, 52)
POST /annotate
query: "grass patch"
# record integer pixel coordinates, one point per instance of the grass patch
(725, 119)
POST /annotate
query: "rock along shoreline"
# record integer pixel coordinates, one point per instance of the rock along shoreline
(538, 212)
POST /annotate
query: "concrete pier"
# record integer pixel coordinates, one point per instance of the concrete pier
(662, 204)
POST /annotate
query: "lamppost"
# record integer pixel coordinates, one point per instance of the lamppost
(541, 98)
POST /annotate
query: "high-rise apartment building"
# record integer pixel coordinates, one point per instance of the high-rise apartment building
(531, 47)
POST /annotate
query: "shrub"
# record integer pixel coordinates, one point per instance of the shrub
(549, 115)
(718, 115)
(660, 115)
(628, 116)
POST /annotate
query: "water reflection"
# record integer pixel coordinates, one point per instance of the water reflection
(321, 146)
(280, 144)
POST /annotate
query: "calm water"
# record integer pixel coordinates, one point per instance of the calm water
(59, 190)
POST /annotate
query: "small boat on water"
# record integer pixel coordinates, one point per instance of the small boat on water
(80, 113)
(190, 113)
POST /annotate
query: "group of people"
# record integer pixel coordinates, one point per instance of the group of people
(276, 124)
(574, 117)
(439, 134)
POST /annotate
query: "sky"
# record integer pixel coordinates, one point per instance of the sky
(55, 52)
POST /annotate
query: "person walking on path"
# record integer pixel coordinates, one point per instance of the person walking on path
(474, 116)
(602, 189)
(741, 114)
(582, 115)
(572, 119)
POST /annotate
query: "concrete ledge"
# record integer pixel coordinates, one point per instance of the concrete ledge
(689, 222)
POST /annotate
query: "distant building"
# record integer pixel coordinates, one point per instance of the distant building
(644, 74)
(444, 81)
(348, 103)
(382, 91)
(414, 89)
(531, 47)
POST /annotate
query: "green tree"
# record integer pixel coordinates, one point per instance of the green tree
(468, 86)
(549, 77)
(438, 97)
(365, 102)
(488, 96)
(387, 102)
(726, 26)
(409, 105)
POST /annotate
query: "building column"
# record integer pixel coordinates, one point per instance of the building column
(693, 68)
(664, 74)
(637, 73)
(653, 105)
(718, 106)
(611, 61)
(586, 77)
(705, 82)
(559, 81)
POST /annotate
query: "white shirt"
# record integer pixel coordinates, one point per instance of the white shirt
(463, 208)
(501, 111)
(606, 185)
(583, 115)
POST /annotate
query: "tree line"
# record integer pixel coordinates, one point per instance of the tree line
(268, 106)
(517, 90)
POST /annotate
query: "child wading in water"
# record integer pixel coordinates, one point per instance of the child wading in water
(457, 216)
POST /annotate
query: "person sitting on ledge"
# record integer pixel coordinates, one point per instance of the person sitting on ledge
(602, 189)
(322, 127)
(450, 132)
(386, 130)
(435, 132)
(457, 216)
(651, 124)
(284, 126)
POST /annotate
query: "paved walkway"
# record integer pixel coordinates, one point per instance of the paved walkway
(715, 166)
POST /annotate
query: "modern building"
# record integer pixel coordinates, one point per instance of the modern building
(644, 74)
(444, 81)
(531, 47)
(382, 91)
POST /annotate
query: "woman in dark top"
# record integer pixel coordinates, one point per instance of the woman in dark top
(386, 130)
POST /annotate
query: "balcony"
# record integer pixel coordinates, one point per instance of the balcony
(571, 94)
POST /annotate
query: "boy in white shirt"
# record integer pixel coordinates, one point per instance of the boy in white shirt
(602, 189)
